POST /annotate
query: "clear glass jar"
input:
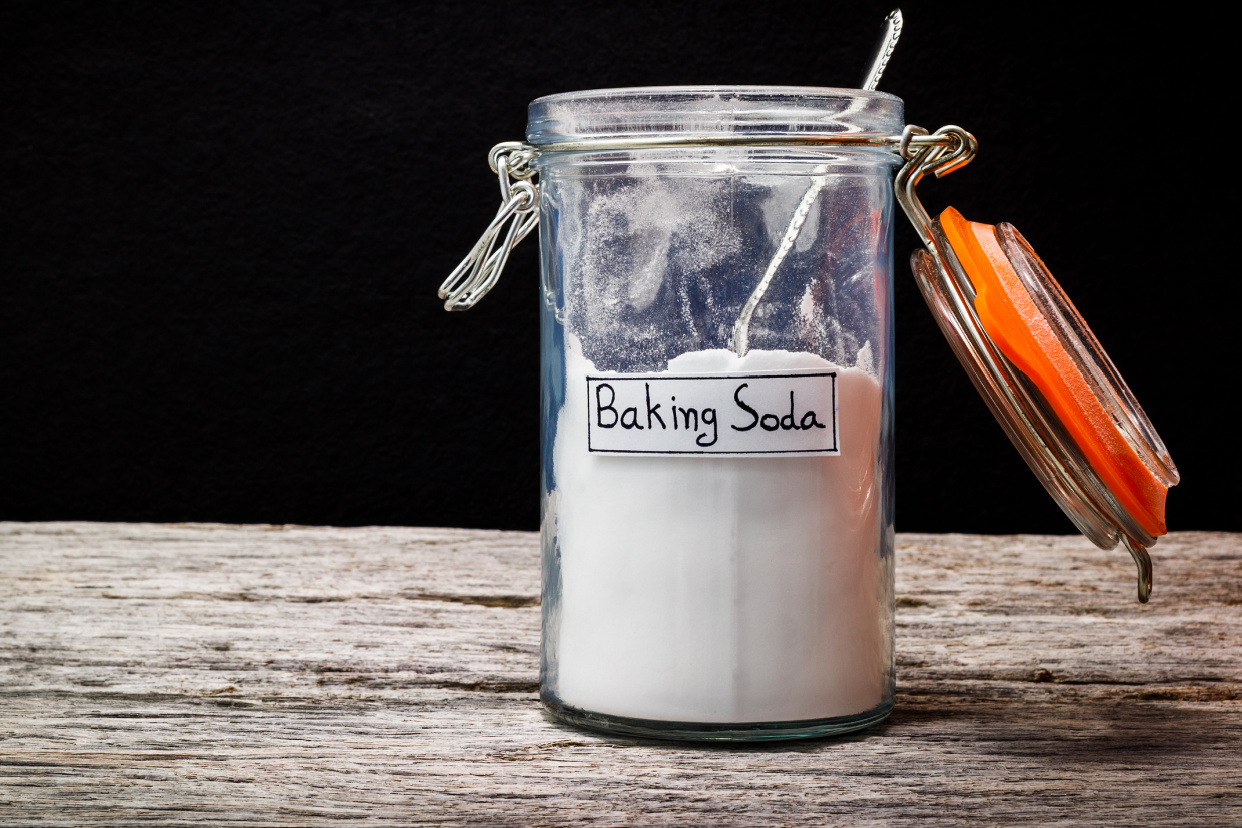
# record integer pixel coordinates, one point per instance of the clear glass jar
(698, 592)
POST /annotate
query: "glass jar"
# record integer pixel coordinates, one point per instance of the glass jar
(717, 392)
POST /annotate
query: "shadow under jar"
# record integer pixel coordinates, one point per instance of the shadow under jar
(717, 508)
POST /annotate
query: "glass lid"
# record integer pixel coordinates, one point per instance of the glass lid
(1040, 369)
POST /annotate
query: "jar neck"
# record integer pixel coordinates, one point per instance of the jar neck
(632, 118)
(720, 160)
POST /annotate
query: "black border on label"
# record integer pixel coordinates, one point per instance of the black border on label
(835, 451)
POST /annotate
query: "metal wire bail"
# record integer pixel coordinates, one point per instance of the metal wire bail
(478, 272)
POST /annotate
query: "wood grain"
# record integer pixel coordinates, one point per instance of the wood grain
(253, 675)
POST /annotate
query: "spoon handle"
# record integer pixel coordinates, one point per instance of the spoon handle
(888, 42)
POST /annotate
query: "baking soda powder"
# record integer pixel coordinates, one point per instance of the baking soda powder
(701, 580)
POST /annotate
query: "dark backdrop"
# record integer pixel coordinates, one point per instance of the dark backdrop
(225, 224)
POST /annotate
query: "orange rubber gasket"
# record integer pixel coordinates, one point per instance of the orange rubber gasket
(1015, 324)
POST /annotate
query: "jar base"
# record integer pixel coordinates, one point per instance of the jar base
(715, 731)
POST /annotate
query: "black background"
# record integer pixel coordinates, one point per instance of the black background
(225, 224)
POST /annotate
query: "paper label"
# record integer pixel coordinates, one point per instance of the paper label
(761, 414)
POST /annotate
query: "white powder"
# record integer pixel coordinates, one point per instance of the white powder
(633, 237)
(721, 589)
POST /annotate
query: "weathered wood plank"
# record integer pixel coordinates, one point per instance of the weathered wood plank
(287, 675)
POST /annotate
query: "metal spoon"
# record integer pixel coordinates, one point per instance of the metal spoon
(739, 343)
(888, 42)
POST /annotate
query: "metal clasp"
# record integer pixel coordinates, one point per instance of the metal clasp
(519, 199)
(519, 194)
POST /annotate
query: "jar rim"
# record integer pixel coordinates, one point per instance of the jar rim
(711, 112)
(714, 89)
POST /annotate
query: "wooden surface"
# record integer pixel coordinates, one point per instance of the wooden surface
(226, 675)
